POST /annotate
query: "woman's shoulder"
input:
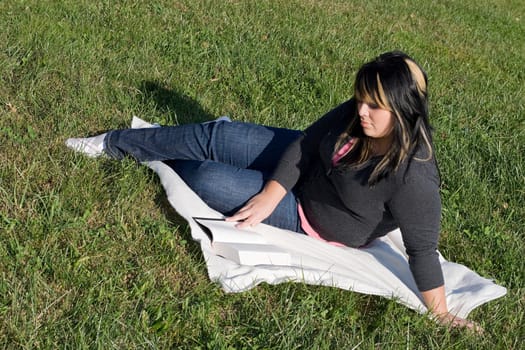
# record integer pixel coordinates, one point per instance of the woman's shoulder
(421, 167)
(344, 108)
(348, 105)
(343, 113)
(417, 181)
(335, 120)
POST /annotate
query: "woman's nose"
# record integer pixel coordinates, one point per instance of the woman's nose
(362, 109)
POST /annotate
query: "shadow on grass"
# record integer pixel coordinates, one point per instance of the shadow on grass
(180, 108)
(167, 210)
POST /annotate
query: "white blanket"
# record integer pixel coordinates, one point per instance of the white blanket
(379, 269)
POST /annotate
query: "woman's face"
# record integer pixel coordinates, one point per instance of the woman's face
(376, 122)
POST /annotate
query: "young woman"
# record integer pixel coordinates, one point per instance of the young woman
(362, 170)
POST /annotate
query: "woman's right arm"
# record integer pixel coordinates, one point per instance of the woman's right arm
(297, 157)
(294, 161)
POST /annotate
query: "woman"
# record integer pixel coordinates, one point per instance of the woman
(362, 170)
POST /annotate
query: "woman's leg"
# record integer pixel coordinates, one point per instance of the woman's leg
(224, 163)
(242, 145)
(226, 188)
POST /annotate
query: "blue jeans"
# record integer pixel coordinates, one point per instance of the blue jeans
(225, 163)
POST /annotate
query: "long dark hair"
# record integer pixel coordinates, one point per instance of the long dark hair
(395, 82)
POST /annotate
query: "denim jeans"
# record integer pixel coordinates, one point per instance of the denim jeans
(225, 163)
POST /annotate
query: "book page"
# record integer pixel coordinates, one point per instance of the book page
(225, 231)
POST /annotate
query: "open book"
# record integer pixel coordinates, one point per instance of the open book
(242, 246)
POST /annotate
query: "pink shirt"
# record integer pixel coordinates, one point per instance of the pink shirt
(305, 225)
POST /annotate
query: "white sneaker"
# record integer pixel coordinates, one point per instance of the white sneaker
(223, 118)
(90, 146)
(137, 123)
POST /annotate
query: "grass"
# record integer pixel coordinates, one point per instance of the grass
(91, 256)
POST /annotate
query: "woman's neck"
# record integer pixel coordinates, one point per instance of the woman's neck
(380, 146)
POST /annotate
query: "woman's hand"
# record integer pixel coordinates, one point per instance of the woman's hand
(260, 206)
(436, 302)
(453, 321)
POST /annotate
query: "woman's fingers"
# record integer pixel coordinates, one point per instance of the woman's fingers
(260, 206)
(244, 216)
(250, 216)
(253, 213)
(470, 325)
(458, 322)
(241, 215)
(247, 220)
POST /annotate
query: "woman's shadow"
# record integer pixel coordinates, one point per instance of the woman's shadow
(179, 108)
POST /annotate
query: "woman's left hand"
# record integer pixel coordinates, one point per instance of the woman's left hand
(453, 321)
(436, 302)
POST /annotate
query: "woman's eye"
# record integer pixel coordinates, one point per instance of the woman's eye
(370, 105)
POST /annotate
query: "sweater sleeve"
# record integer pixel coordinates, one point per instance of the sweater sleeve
(416, 207)
(297, 157)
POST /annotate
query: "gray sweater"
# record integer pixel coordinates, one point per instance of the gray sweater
(342, 207)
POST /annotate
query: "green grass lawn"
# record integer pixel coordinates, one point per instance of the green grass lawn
(92, 256)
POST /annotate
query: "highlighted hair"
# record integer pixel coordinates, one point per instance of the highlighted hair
(395, 82)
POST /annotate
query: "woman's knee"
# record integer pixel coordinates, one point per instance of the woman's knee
(223, 187)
